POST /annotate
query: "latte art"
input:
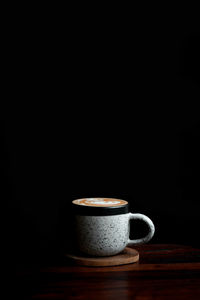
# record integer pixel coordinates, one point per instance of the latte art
(100, 202)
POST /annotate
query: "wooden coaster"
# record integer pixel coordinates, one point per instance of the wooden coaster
(128, 256)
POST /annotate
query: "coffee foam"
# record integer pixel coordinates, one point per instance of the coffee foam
(100, 202)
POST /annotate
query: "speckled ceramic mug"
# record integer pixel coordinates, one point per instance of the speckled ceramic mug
(102, 226)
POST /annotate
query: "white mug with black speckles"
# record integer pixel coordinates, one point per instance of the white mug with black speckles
(102, 226)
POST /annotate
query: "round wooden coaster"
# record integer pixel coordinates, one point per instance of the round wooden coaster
(128, 256)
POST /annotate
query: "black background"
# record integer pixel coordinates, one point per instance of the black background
(100, 109)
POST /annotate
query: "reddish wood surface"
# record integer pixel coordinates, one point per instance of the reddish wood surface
(163, 272)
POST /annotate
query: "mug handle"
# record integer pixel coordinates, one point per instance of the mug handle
(151, 228)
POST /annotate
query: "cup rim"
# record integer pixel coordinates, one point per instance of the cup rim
(100, 210)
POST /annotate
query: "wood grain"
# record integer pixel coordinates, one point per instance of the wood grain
(163, 272)
(128, 256)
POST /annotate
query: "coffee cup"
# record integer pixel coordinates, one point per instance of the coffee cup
(102, 226)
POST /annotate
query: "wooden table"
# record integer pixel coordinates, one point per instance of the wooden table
(163, 272)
